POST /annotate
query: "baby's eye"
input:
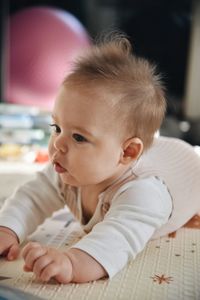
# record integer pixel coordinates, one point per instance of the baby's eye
(79, 138)
(55, 128)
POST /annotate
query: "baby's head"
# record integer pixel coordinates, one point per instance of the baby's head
(128, 85)
(106, 113)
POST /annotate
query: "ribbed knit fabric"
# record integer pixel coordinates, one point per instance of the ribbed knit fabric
(177, 164)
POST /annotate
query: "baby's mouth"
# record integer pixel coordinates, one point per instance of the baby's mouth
(58, 168)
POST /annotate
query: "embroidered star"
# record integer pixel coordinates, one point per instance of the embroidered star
(162, 279)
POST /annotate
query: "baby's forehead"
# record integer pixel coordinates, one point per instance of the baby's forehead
(83, 98)
(93, 93)
(93, 111)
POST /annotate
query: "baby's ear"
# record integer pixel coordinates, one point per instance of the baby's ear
(132, 149)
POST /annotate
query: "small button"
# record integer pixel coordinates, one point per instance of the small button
(105, 207)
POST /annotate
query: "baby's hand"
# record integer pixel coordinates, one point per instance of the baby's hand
(9, 245)
(47, 263)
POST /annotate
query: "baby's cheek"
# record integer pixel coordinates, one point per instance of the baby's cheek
(50, 147)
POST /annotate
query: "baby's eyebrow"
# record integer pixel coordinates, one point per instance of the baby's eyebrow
(78, 128)
(53, 116)
(84, 131)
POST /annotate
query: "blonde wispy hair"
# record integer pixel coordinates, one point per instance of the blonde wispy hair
(133, 81)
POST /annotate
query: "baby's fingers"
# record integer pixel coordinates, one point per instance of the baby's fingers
(41, 264)
(31, 253)
(50, 271)
(28, 247)
(13, 252)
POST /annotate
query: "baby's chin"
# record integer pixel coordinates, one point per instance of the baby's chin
(69, 179)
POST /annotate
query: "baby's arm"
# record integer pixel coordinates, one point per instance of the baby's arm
(73, 265)
(137, 210)
(32, 203)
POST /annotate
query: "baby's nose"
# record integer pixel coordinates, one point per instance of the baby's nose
(60, 144)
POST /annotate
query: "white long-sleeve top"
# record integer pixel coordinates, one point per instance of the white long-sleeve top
(154, 197)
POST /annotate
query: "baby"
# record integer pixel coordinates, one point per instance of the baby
(124, 185)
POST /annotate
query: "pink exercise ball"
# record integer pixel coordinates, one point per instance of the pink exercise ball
(43, 42)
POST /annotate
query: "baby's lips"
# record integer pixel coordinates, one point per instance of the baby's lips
(58, 168)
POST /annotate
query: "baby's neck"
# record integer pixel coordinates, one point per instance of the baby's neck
(90, 194)
(97, 189)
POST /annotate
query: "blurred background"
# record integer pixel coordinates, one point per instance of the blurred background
(40, 39)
